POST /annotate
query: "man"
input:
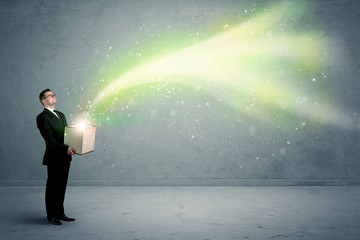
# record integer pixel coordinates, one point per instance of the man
(57, 157)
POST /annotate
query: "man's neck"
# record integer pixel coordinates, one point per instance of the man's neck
(50, 107)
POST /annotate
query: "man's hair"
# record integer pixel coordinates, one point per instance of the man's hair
(42, 95)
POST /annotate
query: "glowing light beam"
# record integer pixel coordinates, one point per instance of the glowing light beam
(255, 60)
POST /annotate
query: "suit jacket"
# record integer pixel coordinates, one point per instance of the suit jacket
(52, 130)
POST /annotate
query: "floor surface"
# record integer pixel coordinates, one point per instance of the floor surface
(189, 213)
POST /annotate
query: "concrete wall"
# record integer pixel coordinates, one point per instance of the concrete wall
(69, 46)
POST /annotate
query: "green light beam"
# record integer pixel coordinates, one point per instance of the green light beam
(256, 60)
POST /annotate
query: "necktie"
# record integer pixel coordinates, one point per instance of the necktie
(56, 114)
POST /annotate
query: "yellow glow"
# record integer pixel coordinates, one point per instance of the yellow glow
(81, 125)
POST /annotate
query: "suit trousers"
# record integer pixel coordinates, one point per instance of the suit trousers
(58, 172)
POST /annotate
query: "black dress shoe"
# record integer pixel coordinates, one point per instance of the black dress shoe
(66, 218)
(54, 220)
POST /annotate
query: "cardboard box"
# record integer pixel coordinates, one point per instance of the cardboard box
(80, 137)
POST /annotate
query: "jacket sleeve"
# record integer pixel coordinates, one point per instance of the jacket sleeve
(48, 135)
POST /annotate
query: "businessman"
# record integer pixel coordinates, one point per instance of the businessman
(51, 124)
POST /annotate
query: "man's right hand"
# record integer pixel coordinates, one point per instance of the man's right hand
(71, 151)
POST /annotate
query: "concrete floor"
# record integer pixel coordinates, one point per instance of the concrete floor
(331, 212)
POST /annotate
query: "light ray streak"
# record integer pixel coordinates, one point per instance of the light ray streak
(244, 61)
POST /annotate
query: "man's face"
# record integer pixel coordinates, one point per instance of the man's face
(49, 99)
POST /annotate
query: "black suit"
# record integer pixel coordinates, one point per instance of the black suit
(56, 158)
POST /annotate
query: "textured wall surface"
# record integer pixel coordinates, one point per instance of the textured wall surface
(77, 48)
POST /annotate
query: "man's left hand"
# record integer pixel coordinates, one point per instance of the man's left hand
(71, 151)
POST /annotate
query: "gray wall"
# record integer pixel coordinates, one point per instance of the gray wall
(65, 46)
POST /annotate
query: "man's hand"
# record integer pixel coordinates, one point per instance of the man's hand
(71, 151)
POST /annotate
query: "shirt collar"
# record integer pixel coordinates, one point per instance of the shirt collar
(50, 109)
(53, 111)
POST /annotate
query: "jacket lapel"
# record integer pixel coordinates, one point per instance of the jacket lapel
(60, 117)
(53, 117)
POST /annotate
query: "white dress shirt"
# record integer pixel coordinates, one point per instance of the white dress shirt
(52, 110)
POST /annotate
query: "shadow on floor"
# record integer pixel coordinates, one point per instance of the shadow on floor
(35, 221)
(33, 218)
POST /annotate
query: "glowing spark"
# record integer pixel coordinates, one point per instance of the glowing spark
(81, 125)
